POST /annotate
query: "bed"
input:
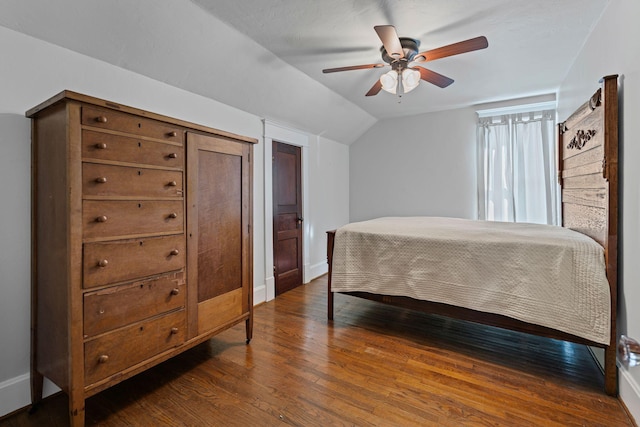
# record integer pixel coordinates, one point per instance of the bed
(556, 282)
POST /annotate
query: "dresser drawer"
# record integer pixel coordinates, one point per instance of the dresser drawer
(125, 347)
(105, 146)
(122, 260)
(124, 181)
(127, 123)
(116, 219)
(117, 306)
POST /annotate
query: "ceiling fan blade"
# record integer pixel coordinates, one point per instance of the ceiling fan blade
(353, 67)
(433, 77)
(453, 49)
(390, 40)
(375, 89)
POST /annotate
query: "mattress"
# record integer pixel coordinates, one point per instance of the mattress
(541, 274)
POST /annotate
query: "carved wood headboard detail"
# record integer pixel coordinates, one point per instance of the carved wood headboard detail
(581, 138)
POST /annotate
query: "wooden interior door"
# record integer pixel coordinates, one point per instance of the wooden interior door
(218, 241)
(287, 216)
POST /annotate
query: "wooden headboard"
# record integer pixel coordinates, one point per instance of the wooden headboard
(588, 144)
(588, 164)
(588, 161)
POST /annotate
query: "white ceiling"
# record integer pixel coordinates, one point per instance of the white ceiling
(266, 56)
(532, 43)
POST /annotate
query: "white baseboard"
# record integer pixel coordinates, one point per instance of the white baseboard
(270, 284)
(259, 294)
(316, 270)
(629, 391)
(15, 393)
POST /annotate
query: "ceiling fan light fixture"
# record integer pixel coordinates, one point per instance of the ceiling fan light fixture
(396, 82)
(400, 52)
(410, 79)
(389, 81)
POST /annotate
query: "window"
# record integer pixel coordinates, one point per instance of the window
(516, 166)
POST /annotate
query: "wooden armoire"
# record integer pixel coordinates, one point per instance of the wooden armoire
(141, 241)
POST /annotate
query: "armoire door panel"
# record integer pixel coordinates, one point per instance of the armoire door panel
(219, 224)
(215, 312)
(218, 230)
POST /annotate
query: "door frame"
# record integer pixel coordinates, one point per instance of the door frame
(279, 133)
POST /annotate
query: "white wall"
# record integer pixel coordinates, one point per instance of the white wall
(330, 203)
(419, 165)
(179, 43)
(30, 72)
(613, 48)
(15, 266)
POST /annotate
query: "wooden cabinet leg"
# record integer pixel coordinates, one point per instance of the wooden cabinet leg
(249, 328)
(37, 381)
(76, 412)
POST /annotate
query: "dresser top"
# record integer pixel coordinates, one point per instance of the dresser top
(67, 95)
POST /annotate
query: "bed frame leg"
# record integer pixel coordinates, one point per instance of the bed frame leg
(610, 370)
(330, 239)
(330, 304)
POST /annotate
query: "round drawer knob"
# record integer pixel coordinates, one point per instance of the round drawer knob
(174, 252)
(101, 179)
(175, 291)
(173, 156)
(101, 146)
(172, 184)
(173, 215)
(174, 331)
(172, 134)
(102, 218)
(103, 358)
(101, 119)
(103, 263)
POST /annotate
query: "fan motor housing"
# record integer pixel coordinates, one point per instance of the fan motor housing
(409, 47)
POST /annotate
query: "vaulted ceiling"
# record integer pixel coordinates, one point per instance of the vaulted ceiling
(266, 56)
(531, 44)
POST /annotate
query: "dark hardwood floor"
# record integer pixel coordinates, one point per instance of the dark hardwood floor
(374, 365)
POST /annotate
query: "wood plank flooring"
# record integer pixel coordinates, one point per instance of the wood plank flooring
(374, 365)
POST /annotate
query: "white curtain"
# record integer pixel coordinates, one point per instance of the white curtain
(516, 168)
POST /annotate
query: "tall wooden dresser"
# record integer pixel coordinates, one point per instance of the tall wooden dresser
(142, 241)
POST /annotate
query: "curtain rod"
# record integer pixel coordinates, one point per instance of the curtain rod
(515, 109)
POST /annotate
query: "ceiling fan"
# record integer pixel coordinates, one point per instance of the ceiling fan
(401, 53)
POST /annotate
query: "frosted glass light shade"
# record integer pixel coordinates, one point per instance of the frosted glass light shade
(410, 79)
(389, 81)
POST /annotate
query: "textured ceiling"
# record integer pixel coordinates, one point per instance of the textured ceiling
(531, 44)
(266, 56)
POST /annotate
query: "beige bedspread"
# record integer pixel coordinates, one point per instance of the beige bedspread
(545, 275)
